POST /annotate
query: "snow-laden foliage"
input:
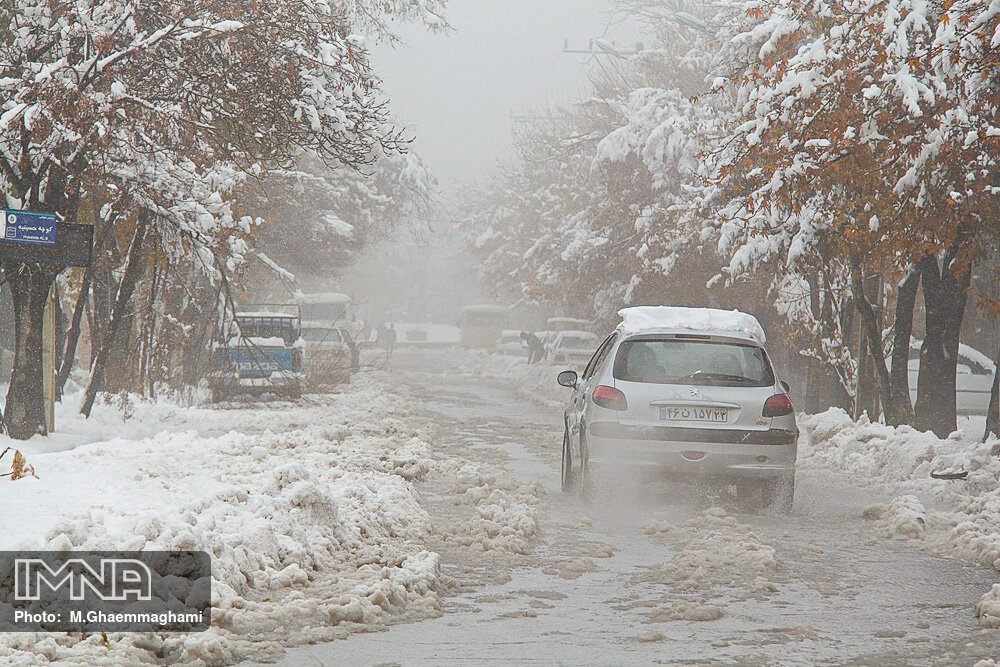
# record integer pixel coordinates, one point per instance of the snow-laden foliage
(792, 149)
(841, 115)
(174, 103)
(603, 200)
(854, 147)
(323, 216)
(149, 120)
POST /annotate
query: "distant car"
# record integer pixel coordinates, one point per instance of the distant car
(547, 338)
(510, 342)
(331, 353)
(566, 323)
(683, 394)
(573, 347)
(263, 354)
(973, 382)
(331, 309)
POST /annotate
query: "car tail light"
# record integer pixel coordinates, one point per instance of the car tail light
(610, 398)
(778, 405)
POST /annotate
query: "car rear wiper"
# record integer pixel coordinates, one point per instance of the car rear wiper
(718, 377)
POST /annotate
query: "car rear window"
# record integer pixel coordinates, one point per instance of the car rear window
(670, 361)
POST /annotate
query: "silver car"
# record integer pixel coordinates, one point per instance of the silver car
(685, 404)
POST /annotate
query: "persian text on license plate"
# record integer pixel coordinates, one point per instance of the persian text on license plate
(689, 414)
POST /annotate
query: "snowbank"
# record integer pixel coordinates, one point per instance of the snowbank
(961, 517)
(641, 318)
(309, 510)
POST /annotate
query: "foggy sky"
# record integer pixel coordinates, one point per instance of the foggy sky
(456, 91)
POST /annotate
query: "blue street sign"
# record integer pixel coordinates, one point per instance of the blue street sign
(28, 227)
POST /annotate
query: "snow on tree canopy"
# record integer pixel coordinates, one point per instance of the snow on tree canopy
(643, 318)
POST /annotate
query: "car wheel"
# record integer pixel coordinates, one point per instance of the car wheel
(569, 478)
(779, 494)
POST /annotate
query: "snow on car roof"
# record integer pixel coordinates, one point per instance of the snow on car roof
(325, 297)
(976, 356)
(643, 318)
(970, 353)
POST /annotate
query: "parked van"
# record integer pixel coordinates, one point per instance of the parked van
(481, 325)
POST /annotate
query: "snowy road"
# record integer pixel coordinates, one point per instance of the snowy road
(658, 578)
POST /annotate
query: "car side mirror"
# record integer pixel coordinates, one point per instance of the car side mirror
(784, 385)
(568, 379)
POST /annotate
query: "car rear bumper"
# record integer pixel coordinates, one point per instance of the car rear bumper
(686, 453)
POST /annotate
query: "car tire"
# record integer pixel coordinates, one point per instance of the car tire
(590, 483)
(779, 494)
(569, 477)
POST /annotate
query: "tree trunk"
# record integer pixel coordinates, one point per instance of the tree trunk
(73, 334)
(867, 395)
(945, 298)
(76, 322)
(895, 412)
(906, 299)
(24, 413)
(993, 413)
(135, 265)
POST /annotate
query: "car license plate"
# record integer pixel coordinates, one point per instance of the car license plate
(694, 414)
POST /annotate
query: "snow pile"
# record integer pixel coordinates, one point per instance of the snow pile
(506, 511)
(905, 516)
(718, 551)
(642, 318)
(989, 609)
(313, 523)
(961, 517)
(876, 452)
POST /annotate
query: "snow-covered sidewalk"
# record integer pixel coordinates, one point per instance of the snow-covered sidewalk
(309, 511)
(960, 517)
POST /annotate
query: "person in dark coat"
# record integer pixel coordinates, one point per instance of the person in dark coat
(536, 349)
(388, 340)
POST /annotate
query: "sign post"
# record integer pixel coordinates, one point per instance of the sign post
(30, 236)
(49, 359)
